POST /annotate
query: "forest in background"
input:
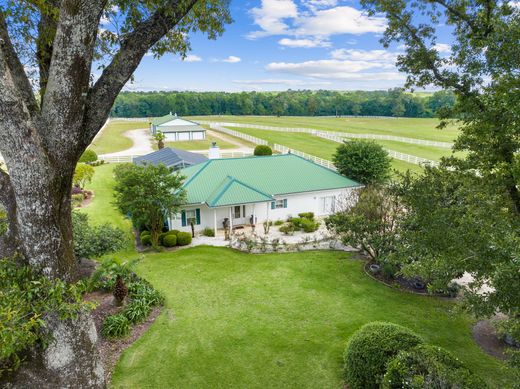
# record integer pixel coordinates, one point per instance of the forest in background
(394, 102)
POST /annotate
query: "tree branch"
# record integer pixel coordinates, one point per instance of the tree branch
(44, 43)
(133, 48)
(69, 74)
(16, 68)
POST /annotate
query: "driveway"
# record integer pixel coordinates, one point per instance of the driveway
(142, 143)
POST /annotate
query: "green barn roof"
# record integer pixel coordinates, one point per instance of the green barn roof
(169, 117)
(227, 181)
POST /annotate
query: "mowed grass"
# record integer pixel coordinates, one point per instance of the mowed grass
(407, 127)
(101, 210)
(313, 145)
(112, 138)
(236, 320)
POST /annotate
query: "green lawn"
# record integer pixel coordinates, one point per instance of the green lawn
(235, 320)
(407, 127)
(102, 210)
(314, 145)
(200, 144)
(112, 140)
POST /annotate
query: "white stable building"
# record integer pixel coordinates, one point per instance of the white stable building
(177, 129)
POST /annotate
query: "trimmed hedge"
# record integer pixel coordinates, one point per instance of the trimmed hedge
(261, 150)
(170, 240)
(183, 238)
(145, 233)
(428, 366)
(88, 156)
(146, 240)
(371, 348)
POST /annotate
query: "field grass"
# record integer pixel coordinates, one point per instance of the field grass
(313, 145)
(200, 144)
(236, 320)
(112, 138)
(407, 127)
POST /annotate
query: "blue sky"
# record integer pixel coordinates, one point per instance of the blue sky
(283, 44)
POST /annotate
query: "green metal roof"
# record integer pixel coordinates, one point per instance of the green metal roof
(167, 118)
(232, 189)
(227, 181)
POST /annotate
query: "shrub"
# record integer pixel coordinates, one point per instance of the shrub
(183, 238)
(307, 215)
(389, 270)
(137, 310)
(208, 232)
(161, 238)
(173, 232)
(263, 150)
(77, 200)
(170, 240)
(371, 348)
(88, 156)
(143, 290)
(145, 233)
(428, 366)
(309, 225)
(95, 241)
(296, 222)
(287, 229)
(278, 222)
(146, 240)
(116, 326)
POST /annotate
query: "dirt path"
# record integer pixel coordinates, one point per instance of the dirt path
(227, 139)
(142, 143)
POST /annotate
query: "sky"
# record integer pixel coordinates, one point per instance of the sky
(275, 45)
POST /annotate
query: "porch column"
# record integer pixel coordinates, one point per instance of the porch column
(215, 221)
(230, 219)
(267, 213)
(254, 214)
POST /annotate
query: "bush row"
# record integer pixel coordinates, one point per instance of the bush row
(168, 239)
(304, 222)
(391, 356)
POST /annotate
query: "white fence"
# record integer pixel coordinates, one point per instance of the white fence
(117, 158)
(312, 131)
(241, 135)
(147, 120)
(320, 161)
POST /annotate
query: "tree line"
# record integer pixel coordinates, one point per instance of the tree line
(394, 102)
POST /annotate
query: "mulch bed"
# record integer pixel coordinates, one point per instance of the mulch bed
(111, 350)
(485, 336)
(401, 283)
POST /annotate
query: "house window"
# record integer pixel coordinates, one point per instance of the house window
(176, 216)
(327, 204)
(236, 212)
(279, 204)
(191, 214)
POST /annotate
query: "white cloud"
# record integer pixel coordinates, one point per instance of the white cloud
(230, 59)
(382, 56)
(442, 48)
(326, 68)
(339, 20)
(304, 43)
(270, 17)
(192, 58)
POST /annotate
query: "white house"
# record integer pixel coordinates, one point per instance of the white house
(257, 189)
(177, 129)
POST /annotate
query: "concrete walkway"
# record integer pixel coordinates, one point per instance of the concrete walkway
(142, 143)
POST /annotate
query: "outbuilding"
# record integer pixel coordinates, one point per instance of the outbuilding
(177, 129)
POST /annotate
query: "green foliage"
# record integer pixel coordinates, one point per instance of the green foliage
(146, 240)
(427, 366)
(83, 175)
(261, 150)
(24, 298)
(292, 103)
(372, 223)
(309, 225)
(363, 161)
(137, 310)
(142, 290)
(116, 326)
(147, 193)
(278, 222)
(183, 238)
(105, 275)
(307, 215)
(371, 348)
(88, 156)
(208, 232)
(77, 200)
(170, 240)
(287, 229)
(90, 242)
(173, 232)
(4, 222)
(144, 233)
